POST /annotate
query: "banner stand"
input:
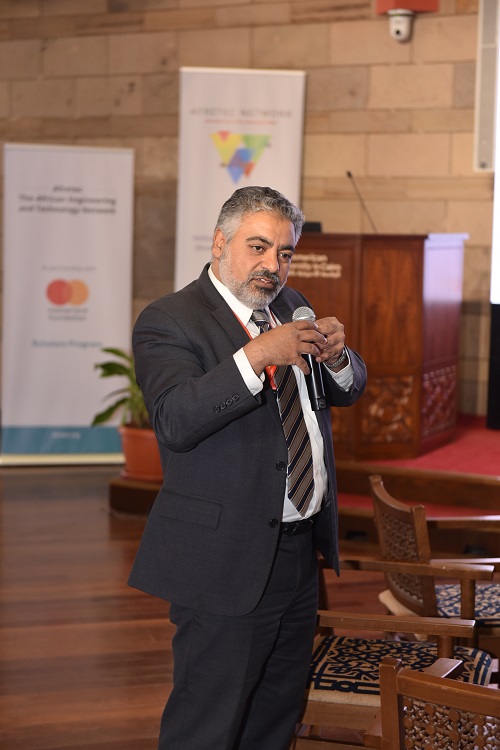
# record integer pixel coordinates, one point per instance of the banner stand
(237, 127)
(67, 294)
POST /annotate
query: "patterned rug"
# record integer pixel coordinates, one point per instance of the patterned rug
(343, 665)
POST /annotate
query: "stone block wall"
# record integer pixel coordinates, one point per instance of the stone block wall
(399, 116)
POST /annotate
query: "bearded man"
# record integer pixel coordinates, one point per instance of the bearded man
(249, 492)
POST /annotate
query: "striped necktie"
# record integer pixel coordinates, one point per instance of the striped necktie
(261, 320)
(300, 464)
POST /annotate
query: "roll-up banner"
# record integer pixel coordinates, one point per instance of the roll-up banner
(237, 128)
(67, 291)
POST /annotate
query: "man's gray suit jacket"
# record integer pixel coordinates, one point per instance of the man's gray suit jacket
(211, 536)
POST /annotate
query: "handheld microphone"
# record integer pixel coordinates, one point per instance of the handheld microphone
(314, 380)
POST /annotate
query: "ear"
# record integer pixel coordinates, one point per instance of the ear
(219, 244)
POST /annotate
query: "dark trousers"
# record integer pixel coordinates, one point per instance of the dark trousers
(239, 681)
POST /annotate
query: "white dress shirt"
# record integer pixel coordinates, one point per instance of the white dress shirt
(255, 384)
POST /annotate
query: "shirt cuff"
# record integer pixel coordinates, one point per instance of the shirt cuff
(344, 378)
(253, 382)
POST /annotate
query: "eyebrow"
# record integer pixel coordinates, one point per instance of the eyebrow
(268, 243)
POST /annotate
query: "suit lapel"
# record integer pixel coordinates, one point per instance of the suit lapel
(221, 311)
(281, 308)
(230, 323)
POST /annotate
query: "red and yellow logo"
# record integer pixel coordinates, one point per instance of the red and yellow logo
(62, 292)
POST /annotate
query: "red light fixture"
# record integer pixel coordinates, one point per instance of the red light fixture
(401, 14)
(416, 6)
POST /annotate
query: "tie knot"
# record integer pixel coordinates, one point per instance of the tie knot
(261, 319)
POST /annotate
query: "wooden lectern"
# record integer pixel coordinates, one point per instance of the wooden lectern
(399, 298)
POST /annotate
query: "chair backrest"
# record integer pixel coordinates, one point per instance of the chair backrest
(403, 535)
(422, 710)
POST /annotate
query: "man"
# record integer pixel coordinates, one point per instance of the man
(249, 491)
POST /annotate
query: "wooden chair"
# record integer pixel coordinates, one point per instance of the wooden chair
(343, 687)
(404, 542)
(430, 710)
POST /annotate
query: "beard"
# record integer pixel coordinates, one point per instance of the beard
(246, 292)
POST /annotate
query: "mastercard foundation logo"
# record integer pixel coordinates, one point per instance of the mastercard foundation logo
(62, 292)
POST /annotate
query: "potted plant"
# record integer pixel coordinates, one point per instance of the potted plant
(139, 445)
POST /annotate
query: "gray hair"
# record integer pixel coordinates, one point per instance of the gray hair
(252, 199)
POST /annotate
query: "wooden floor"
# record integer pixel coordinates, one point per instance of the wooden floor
(85, 661)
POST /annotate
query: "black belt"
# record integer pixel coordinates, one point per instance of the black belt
(297, 527)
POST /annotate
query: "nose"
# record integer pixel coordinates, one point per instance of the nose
(270, 261)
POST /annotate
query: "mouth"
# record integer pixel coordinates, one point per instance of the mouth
(264, 281)
(267, 280)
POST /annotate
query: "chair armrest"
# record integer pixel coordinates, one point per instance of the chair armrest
(465, 560)
(450, 668)
(461, 569)
(471, 523)
(452, 627)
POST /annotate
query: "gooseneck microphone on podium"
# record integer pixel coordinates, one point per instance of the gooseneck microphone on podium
(314, 380)
(350, 175)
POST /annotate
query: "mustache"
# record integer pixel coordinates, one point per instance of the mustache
(266, 275)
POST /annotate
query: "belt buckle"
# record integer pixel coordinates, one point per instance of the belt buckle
(301, 525)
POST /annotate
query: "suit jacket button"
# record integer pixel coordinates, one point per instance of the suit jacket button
(273, 523)
(281, 466)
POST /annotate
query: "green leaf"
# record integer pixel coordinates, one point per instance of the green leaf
(105, 416)
(109, 369)
(132, 404)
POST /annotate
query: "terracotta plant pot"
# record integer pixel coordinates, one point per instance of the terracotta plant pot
(142, 456)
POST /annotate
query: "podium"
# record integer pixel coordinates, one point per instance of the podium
(399, 298)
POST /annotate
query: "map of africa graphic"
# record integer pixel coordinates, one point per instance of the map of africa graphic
(239, 153)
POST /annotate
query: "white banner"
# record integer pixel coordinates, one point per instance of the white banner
(67, 291)
(237, 128)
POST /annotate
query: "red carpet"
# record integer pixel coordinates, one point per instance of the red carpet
(475, 450)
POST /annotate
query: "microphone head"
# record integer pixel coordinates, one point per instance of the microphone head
(303, 313)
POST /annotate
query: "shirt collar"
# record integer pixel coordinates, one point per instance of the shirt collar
(240, 310)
